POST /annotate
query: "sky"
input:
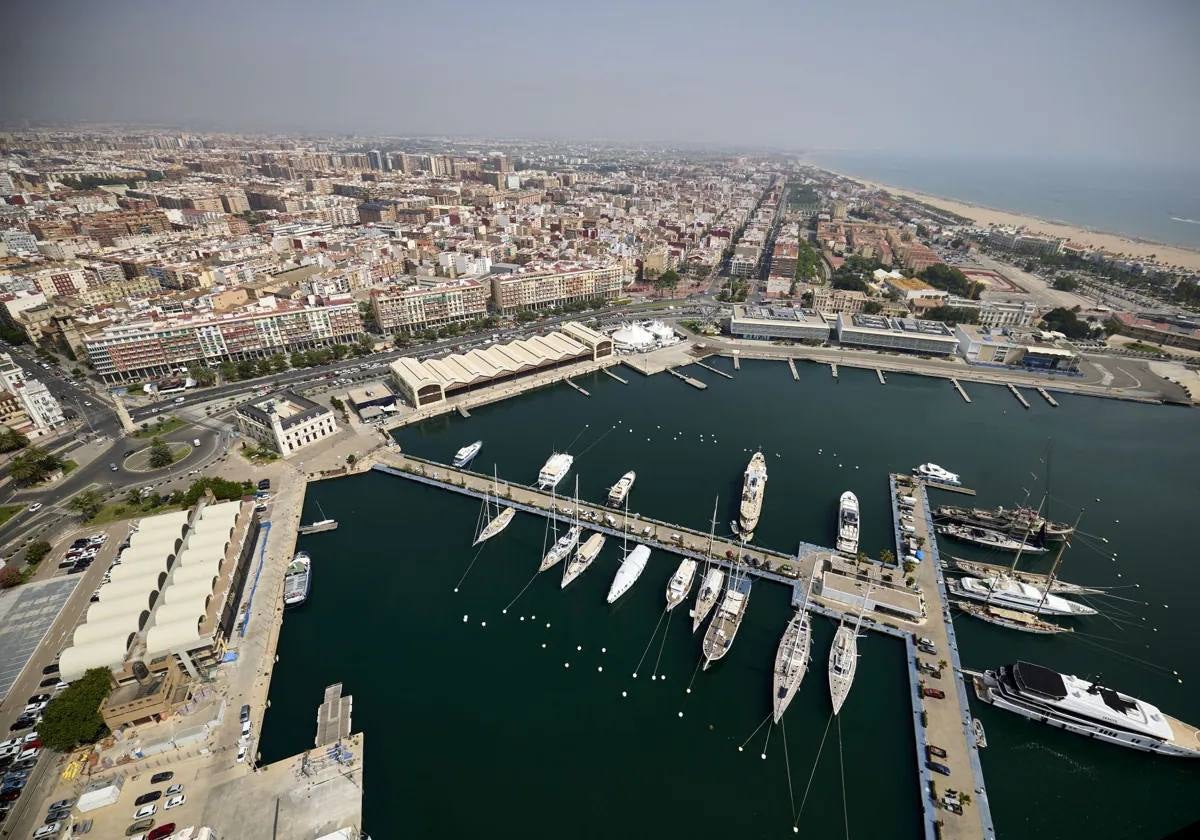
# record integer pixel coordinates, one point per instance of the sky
(1102, 80)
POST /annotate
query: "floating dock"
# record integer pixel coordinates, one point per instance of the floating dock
(792, 367)
(333, 716)
(614, 376)
(715, 370)
(1046, 396)
(882, 378)
(949, 488)
(737, 363)
(462, 410)
(833, 369)
(1018, 395)
(578, 388)
(695, 383)
(958, 387)
(318, 527)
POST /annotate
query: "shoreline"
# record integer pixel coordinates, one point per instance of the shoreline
(1136, 246)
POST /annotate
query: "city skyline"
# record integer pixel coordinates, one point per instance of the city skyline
(1011, 82)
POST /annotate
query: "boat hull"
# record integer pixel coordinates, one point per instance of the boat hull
(791, 663)
(498, 524)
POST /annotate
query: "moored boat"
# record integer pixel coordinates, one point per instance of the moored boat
(1005, 591)
(680, 583)
(754, 485)
(728, 620)
(628, 572)
(554, 470)
(706, 597)
(467, 454)
(935, 473)
(848, 523)
(1011, 619)
(791, 662)
(620, 491)
(1012, 521)
(584, 555)
(297, 580)
(988, 539)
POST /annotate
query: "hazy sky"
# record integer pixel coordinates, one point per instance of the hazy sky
(1099, 79)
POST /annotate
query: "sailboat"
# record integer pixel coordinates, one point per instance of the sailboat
(631, 567)
(711, 583)
(322, 524)
(728, 620)
(565, 544)
(680, 583)
(791, 659)
(491, 517)
(843, 658)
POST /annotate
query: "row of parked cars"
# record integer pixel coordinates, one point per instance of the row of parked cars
(81, 553)
(143, 827)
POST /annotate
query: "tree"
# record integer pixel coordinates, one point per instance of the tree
(887, 557)
(33, 465)
(264, 367)
(950, 279)
(12, 440)
(36, 551)
(202, 374)
(9, 577)
(73, 717)
(246, 369)
(1066, 283)
(339, 351)
(228, 371)
(872, 307)
(299, 359)
(222, 489)
(87, 502)
(1067, 322)
(953, 314)
(337, 403)
(160, 454)
(669, 279)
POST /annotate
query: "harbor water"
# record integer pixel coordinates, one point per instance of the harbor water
(532, 725)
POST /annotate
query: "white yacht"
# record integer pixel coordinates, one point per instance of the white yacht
(847, 537)
(1003, 590)
(628, 572)
(1086, 708)
(754, 485)
(296, 580)
(706, 598)
(467, 454)
(584, 555)
(728, 620)
(555, 470)
(492, 520)
(791, 662)
(680, 583)
(565, 544)
(620, 491)
(932, 472)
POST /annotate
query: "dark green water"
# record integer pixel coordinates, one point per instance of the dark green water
(481, 731)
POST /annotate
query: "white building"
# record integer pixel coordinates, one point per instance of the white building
(43, 409)
(286, 422)
(909, 335)
(998, 312)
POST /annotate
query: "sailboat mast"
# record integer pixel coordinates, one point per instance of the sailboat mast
(1017, 559)
(1050, 578)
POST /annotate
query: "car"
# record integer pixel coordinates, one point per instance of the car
(23, 722)
(162, 831)
(241, 756)
(159, 778)
(938, 768)
(175, 801)
(935, 750)
(31, 740)
(10, 794)
(62, 803)
(28, 753)
(178, 400)
(139, 827)
(935, 693)
(35, 507)
(112, 467)
(38, 698)
(147, 798)
(244, 715)
(50, 829)
(32, 709)
(145, 811)
(86, 403)
(245, 728)
(195, 441)
(265, 484)
(173, 789)
(59, 815)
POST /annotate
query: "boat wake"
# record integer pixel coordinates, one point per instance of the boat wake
(1186, 221)
(1077, 766)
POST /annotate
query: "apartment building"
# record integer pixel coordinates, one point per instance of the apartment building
(543, 289)
(429, 305)
(286, 422)
(155, 346)
(39, 404)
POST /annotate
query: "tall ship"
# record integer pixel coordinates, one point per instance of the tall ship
(554, 470)
(843, 658)
(754, 485)
(1086, 708)
(584, 555)
(1011, 521)
(467, 454)
(628, 572)
(728, 620)
(932, 472)
(1005, 591)
(565, 544)
(681, 582)
(848, 524)
(297, 579)
(986, 538)
(619, 492)
(492, 519)
(711, 581)
(791, 658)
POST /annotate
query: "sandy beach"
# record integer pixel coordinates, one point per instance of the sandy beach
(1112, 242)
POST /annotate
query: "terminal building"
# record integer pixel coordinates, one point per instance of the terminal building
(165, 616)
(778, 322)
(430, 381)
(983, 345)
(286, 422)
(908, 335)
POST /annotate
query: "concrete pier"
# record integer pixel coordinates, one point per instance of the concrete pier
(1046, 396)
(462, 411)
(1018, 395)
(333, 716)
(614, 376)
(737, 362)
(882, 378)
(695, 383)
(714, 370)
(833, 369)
(792, 367)
(578, 388)
(958, 387)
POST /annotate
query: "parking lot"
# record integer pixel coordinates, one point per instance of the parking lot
(26, 615)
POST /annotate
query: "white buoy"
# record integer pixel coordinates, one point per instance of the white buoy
(464, 619)
(504, 611)
(483, 624)
(689, 691)
(653, 677)
(604, 650)
(739, 749)
(543, 644)
(578, 647)
(547, 625)
(456, 589)
(763, 756)
(681, 714)
(566, 664)
(599, 667)
(533, 618)
(522, 618)
(635, 675)
(624, 694)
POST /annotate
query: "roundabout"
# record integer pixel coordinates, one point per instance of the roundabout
(139, 461)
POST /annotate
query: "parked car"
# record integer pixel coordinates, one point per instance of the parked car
(178, 400)
(935, 750)
(35, 507)
(138, 827)
(245, 713)
(62, 803)
(162, 831)
(112, 467)
(938, 768)
(173, 789)
(159, 778)
(50, 829)
(38, 698)
(145, 811)
(175, 801)
(935, 693)
(147, 798)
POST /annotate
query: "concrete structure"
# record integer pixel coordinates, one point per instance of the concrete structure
(371, 400)
(432, 380)
(39, 405)
(904, 334)
(429, 304)
(984, 345)
(171, 603)
(542, 289)
(771, 322)
(286, 422)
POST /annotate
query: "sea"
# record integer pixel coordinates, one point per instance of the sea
(1159, 204)
(496, 704)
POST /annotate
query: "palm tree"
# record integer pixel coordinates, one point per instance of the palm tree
(887, 557)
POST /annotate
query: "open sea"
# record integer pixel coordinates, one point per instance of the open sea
(1161, 205)
(532, 726)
